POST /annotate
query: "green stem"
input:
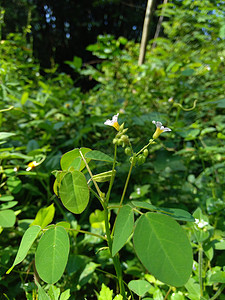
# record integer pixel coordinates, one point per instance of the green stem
(127, 181)
(89, 171)
(200, 266)
(97, 196)
(145, 147)
(218, 292)
(116, 261)
(112, 178)
(88, 232)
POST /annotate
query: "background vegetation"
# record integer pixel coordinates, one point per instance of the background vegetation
(52, 101)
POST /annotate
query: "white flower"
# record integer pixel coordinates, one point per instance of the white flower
(159, 129)
(113, 122)
(138, 191)
(201, 223)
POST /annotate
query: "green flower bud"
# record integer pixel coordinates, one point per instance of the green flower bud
(141, 159)
(125, 138)
(124, 130)
(115, 141)
(133, 160)
(145, 152)
(121, 127)
(128, 151)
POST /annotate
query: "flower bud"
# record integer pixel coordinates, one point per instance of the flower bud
(121, 127)
(128, 151)
(145, 152)
(133, 160)
(141, 159)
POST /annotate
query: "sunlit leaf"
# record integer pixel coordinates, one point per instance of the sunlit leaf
(139, 287)
(72, 160)
(52, 254)
(28, 239)
(163, 248)
(74, 192)
(123, 228)
(44, 216)
(7, 218)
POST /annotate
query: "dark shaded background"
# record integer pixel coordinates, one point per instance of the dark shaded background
(63, 29)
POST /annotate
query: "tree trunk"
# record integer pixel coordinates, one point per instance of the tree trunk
(144, 38)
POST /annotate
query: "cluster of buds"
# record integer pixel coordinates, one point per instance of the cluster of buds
(121, 138)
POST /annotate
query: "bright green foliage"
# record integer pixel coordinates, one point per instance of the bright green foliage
(52, 254)
(42, 295)
(107, 294)
(27, 240)
(219, 276)
(97, 219)
(123, 228)
(44, 216)
(72, 160)
(7, 218)
(74, 192)
(167, 252)
(140, 287)
(180, 84)
(98, 155)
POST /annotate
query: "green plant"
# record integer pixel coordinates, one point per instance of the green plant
(159, 241)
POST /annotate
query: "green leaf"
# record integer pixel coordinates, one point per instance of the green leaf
(14, 184)
(74, 192)
(187, 72)
(6, 198)
(59, 176)
(193, 288)
(87, 273)
(97, 219)
(7, 218)
(8, 205)
(73, 160)
(98, 155)
(5, 135)
(105, 176)
(42, 295)
(218, 277)
(44, 216)
(54, 292)
(140, 287)
(222, 32)
(123, 228)
(65, 295)
(28, 239)
(52, 254)
(105, 293)
(64, 224)
(24, 97)
(176, 213)
(163, 248)
(220, 245)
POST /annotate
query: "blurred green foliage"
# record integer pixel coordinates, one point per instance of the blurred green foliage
(181, 84)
